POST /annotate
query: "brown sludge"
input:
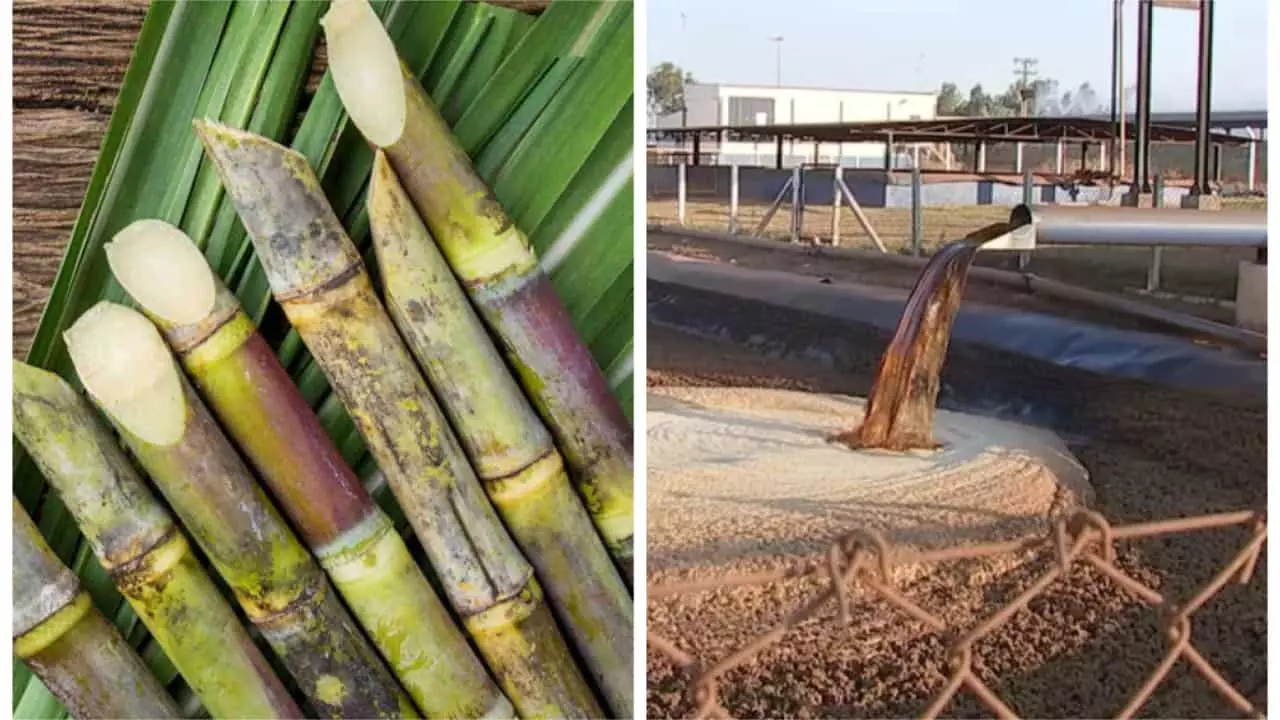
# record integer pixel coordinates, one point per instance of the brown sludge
(1085, 645)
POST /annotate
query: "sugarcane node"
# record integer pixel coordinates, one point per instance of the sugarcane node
(318, 291)
(146, 571)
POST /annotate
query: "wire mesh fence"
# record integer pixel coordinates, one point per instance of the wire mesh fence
(864, 561)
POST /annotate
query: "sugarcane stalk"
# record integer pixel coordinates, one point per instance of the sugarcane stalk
(262, 411)
(130, 374)
(68, 644)
(147, 556)
(495, 263)
(318, 278)
(507, 443)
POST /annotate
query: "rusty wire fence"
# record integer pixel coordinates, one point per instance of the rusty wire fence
(865, 560)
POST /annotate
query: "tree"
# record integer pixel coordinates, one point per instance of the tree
(665, 85)
(950, 102)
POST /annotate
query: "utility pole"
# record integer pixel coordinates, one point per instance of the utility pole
(1025, 69)
(777, 40)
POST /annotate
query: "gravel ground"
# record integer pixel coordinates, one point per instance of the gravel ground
(1082, 648)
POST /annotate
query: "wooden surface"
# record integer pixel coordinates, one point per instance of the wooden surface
(68, 60)
(69, 57)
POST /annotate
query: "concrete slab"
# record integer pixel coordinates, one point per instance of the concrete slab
(740, 479)
(1192, 201)
(1251, 296)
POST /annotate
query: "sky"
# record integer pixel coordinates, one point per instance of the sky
(919, 44)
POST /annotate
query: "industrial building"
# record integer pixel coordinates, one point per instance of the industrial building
(710, 105)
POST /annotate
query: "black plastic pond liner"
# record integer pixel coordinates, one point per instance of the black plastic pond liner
(1161, 359)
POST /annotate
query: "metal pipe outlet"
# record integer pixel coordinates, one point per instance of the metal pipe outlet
(1142, 226)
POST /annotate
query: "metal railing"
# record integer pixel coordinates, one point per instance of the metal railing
(865, 560)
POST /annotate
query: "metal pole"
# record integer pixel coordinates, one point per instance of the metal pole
(681, 193)
(1203, 83)
(1017, 158)
(835, 205)
(1157, 253)
(1142, 144)
(1117, 89)
(797, 203)
(1028, 199)
(773, 208)
(1060, 157)
(779, 163)
(733, 198)
(1217, 164)
(982, 157)
(697, 149)
(860, 216)
(917, 213)
(1253, 158)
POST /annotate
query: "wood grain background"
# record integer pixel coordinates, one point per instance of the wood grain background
(68, 60)
(69, 57)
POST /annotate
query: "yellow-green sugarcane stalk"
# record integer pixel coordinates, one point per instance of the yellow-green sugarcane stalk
(146, 554)
(318, 278)
(261, 409)
(68, 644)
(507, 443)
(128, 371)
(495, 263)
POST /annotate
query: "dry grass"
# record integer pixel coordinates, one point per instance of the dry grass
(1201, 272)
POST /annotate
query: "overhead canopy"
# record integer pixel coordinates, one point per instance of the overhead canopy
(990, 129)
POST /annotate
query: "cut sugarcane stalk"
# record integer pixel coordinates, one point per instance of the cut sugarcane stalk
(508, 445)
(316, 275)
(130, 374)
(148, 557)
(68, 644)
(261, 409)
(495, 263)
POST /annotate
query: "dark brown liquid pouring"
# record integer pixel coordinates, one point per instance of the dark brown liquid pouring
(900, 408)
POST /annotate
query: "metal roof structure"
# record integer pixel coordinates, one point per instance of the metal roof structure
(989, 129)
(1226, 119)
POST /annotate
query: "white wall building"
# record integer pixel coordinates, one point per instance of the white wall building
(712, 105)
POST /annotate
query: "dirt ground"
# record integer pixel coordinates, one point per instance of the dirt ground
(1202, 272)
(1082, 648)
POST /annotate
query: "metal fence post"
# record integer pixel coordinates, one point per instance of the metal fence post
(917, 213)
(835, 205)
(797, 202)
(733, 198)
(1153, 272)
(1028, 199)
(681, 193)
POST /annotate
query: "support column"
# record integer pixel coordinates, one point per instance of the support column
(1253, 158)
(1117, 90)
(1142, 137)
(982, 157)
(1204, 80)
(888, 153)
(1017, 158)
(1060, 157)
(779, 155)
(1084, 157)
(697, 149)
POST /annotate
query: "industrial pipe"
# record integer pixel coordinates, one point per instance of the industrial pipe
(1055, 225)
